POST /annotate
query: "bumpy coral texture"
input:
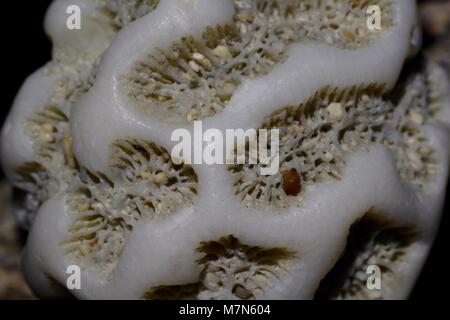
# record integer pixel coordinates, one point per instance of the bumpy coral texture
(318, 134)
(231, 270)
(195, 78)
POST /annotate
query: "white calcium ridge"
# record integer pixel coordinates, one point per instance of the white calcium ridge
(161, 247)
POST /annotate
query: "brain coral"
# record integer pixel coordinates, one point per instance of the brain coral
(364, 150)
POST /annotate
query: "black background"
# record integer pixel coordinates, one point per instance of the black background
(26, 48)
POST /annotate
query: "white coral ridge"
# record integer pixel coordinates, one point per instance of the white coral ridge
(363, 153)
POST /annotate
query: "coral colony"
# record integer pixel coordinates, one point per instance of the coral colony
(338, 170)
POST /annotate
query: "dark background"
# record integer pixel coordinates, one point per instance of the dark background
(26, 48)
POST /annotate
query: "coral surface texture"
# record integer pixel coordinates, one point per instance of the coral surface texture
(363, 120)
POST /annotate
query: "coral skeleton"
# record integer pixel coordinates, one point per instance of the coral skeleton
(364, 150)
